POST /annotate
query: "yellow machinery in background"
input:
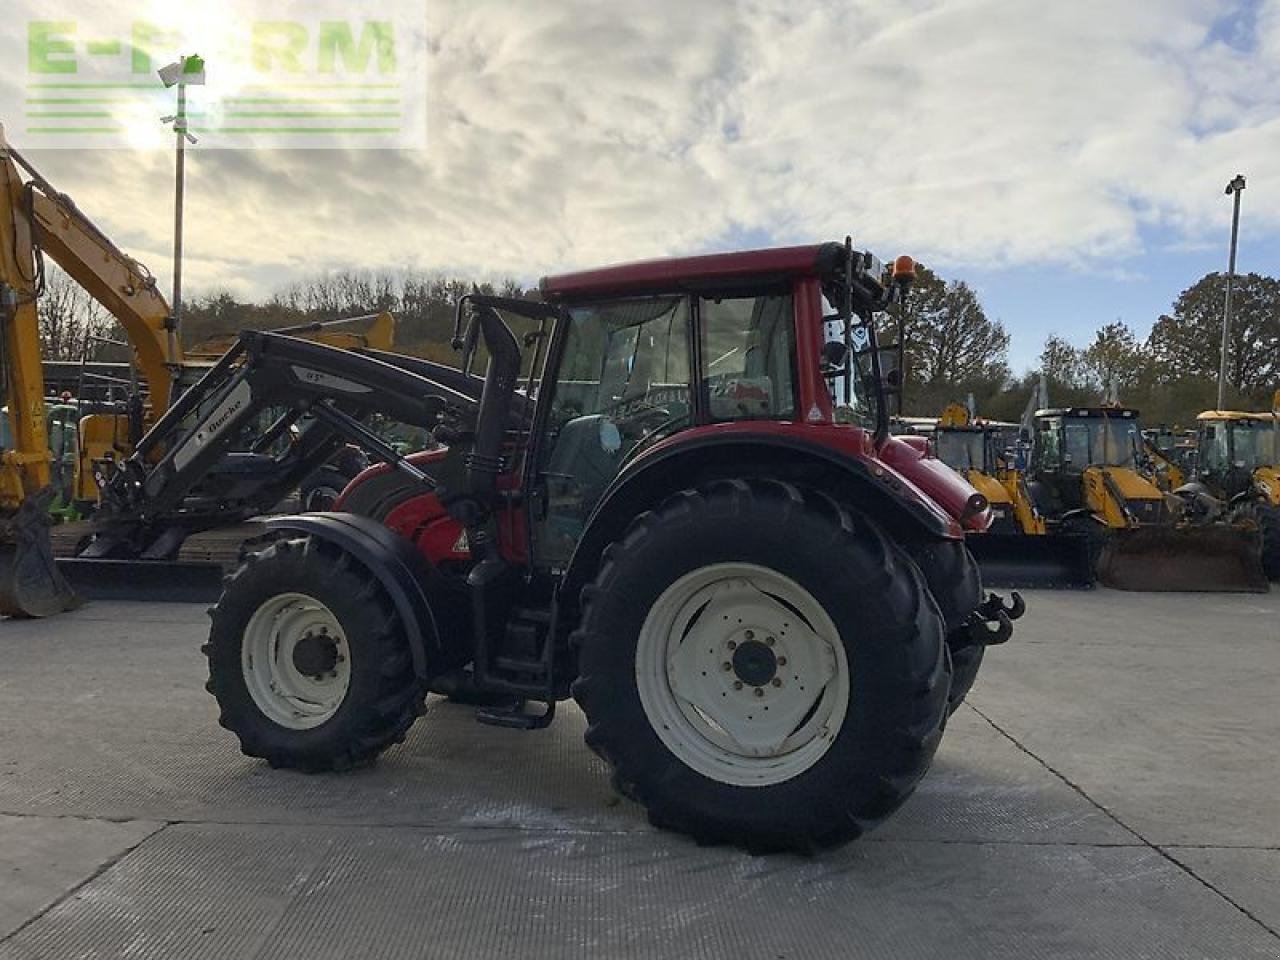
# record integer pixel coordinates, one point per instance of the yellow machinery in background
(36, 220)
(1159, 448)
(1018, 549)
(968, 448)
(1237, 479)
(1087, 476)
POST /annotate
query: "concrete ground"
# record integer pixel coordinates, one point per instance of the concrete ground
(1113, 790)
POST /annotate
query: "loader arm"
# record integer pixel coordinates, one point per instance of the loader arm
(24, 467)
(189, 474)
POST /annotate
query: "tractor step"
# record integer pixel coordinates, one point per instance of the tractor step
(515, 717)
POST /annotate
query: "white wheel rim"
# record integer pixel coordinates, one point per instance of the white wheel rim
(775, 710)
(287, 635)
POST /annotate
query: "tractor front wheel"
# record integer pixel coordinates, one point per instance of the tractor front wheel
(308, 661)
(762, 667)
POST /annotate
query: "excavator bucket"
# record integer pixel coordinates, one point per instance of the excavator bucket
(1053, 561)
(30, 584)
(1216, 558)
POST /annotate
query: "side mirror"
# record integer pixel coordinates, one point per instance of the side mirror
(891, 377)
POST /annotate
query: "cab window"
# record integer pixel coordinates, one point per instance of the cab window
(623, 382)
(748, 357)
(1046, 449)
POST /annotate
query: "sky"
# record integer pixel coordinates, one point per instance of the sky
(1068, 160)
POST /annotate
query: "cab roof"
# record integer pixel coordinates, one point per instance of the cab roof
(1220, 415)
(1124, 413)
(744, 268)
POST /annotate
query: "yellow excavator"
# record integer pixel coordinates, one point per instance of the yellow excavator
(1018, 549)
(37, 221)
(1087, 476)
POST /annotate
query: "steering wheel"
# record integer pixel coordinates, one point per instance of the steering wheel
(644, 413)
(658, 432)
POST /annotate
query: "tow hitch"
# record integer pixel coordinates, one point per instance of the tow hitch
(992, 622)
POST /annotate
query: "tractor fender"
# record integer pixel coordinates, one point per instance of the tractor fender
(643, 483)
(402, 571)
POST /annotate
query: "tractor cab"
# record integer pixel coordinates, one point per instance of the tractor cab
(1070, 439)
(1091, 460)
(634, 371)
(966, 448)
(1236, 450)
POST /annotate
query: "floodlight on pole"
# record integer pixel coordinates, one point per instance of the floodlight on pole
(184, 72)
(1234, 189)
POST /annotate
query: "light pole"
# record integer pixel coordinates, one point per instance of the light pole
(1234, 189)
(180, 73)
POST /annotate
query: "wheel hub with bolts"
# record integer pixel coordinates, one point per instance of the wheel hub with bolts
(295, 661)
(742, 674)
(316, 655)
(754, 662)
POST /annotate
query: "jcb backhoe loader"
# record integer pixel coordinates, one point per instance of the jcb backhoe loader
(1087, 479)
(1237, 479)
(1017, 549)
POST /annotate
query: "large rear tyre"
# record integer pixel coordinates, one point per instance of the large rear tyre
(308, 659)
(762, 667)
(956, 584)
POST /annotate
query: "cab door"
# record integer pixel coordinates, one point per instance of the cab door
(623, 380)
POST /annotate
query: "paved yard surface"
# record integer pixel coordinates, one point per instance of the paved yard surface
(1113, 791)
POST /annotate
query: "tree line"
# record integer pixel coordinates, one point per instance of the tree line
(952, 347)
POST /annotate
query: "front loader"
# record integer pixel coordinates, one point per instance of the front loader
(1090, 478)
(648, 504)
(1017, 550)
(38, 221)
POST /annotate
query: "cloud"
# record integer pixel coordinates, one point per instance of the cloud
(970, 132)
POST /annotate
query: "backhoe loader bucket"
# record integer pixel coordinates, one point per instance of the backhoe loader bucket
(1216, 558)
(30, 584)
(1054, 561)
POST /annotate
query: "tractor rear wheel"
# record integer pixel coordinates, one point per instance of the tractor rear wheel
(308, 661)
(762, 667)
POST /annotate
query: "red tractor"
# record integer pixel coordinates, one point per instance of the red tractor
(673, 498)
